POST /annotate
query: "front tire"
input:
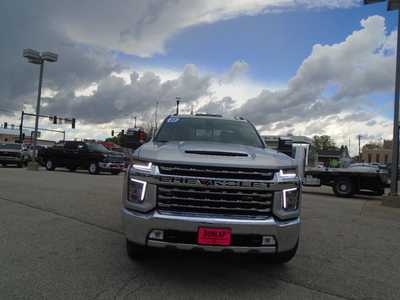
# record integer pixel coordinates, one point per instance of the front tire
(50, 165)
(94, 168)
(135, 251)
(344, 187)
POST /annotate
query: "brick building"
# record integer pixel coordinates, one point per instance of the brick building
(382, 155)
(10, 135)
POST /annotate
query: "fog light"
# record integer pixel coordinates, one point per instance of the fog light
(156, 234)
(268, 240)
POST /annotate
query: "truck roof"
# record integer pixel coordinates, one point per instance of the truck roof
(208, 116)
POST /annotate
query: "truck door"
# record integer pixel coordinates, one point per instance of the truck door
(83, 155)
(70, 154)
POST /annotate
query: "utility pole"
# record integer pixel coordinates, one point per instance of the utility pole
(135, 121)
(178, 99)
(395, 149)
(155, 117)
(359, 147)
(20, 127)
(349, 145)
(394, 198)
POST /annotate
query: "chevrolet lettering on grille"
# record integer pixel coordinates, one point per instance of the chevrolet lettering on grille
(214, 182)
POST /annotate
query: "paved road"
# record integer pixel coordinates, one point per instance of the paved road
(60, 238)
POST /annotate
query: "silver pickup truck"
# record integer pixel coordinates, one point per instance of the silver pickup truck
(206, 182)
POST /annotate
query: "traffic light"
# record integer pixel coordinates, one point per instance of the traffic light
(73, 123)
(112, 132)
(55, 120)
(5, 125)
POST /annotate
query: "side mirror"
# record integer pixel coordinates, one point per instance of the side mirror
(300, 152)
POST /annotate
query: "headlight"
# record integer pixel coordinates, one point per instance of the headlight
(136, 190)
(288, 173)
(287, 203)
(143, 166)
(140, 193)
(290, 199)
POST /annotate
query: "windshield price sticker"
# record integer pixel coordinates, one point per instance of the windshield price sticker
(172, 120)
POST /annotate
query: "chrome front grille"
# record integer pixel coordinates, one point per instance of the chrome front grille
(216, 172)
(10, 154)
(115, 159)
(221, 201)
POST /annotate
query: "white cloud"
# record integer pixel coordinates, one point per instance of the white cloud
(142, 27)
(355, 66)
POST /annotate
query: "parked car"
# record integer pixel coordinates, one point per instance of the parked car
(116, 148)
(82, 155)
(12, 154)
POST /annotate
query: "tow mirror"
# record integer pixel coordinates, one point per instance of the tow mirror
(300, 152)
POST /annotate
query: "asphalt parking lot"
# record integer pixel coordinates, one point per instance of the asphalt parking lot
(60, 238)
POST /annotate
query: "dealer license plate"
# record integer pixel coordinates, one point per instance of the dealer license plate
(214, 236)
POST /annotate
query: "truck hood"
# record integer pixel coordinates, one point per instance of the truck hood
(215, 154)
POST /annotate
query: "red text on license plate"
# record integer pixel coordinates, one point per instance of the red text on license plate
(214, 236)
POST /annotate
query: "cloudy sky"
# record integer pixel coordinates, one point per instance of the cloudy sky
(305, 67)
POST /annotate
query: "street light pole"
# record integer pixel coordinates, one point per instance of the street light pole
(34, 142)
(395, 146)
(37, 58)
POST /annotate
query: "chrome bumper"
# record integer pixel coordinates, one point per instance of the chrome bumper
(10, 159)
(111, 166)
(137, 227)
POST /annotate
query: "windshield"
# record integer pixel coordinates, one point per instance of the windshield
(98, 148)
(209, 130)
(10, 146)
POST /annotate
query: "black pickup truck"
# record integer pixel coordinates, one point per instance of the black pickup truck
(82, 155)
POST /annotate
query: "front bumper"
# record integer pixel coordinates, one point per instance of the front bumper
(110, 166)
(10, 159)
(137, 227)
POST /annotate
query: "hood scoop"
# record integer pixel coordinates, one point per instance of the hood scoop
(217, 153)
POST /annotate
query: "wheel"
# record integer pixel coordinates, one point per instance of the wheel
(4, 165)
(285, 257)
(343, 187)
(50, 165)
(135, 251)
(19, 165)
(93, 168)
(115, 172)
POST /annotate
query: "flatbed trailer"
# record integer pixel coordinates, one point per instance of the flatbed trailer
(346, 182)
